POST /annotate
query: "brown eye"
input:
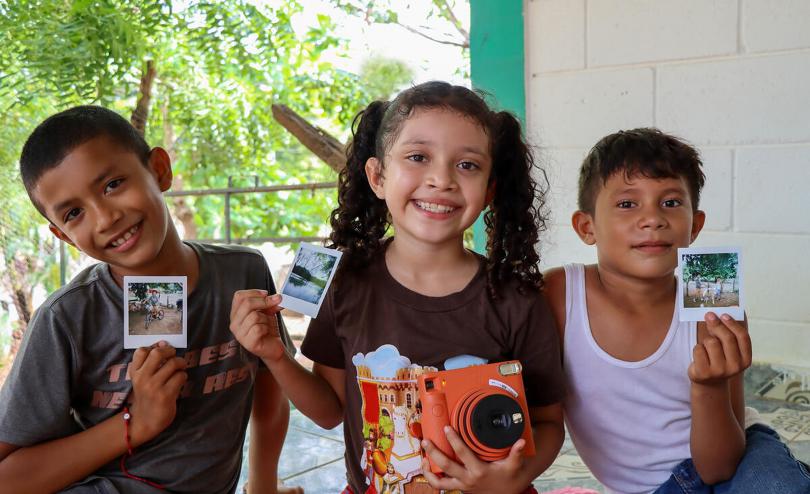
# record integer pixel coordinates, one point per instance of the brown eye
(73, 213)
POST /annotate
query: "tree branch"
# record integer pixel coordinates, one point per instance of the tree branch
(451, 16)
(140, 115)
(317, 140)
(465, 44)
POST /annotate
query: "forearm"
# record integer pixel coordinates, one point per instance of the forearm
(310, 393)
(717, 440)
(548, 439)
(267, 432)
(53, 465)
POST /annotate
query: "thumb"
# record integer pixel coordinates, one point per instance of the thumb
(516, 452)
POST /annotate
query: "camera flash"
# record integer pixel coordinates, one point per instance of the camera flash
(517, 418)
(509, 368)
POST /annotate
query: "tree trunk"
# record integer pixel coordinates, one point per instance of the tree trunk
(180, 208)
(16, 281)
(141, 113)
(317, 140)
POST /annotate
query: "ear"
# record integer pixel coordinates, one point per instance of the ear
(161, 167)
(698, 220)
(60, 234)
(375, 177)
(583, 225)
(490, 193)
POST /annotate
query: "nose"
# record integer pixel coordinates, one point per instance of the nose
(106, 216)
(652, 218)
(440, 176)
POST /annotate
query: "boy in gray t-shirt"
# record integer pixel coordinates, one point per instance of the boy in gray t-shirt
(62, 409)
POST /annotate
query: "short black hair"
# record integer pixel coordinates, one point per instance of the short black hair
(63, 132)
(647, 152)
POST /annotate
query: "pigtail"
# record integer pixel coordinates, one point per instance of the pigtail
(361, 219)
(515, 216)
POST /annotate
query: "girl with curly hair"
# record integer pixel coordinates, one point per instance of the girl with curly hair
(424, 166)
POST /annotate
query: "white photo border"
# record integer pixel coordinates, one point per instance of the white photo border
(304, 306)
(699, 313)
(175, 340)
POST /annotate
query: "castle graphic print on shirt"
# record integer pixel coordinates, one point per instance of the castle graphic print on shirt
(391, 414)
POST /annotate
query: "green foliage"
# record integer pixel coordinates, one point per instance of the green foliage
(710, 267)
(220, 67)
(383, 77)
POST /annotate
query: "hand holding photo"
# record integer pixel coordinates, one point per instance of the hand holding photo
(309, 279)
(709, 280)
(155, 310)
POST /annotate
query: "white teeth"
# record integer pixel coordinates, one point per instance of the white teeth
(434, 208)
(128, 235)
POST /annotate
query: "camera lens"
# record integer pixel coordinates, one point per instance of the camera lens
(501, 420)
(497, 421)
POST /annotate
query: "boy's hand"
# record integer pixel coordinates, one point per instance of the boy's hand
(473, 474)
(157, 378)
(255, 325)
(723, 353)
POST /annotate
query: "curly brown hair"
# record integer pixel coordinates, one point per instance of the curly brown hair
(514, 217)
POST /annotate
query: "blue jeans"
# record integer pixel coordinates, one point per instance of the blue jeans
(767, 467)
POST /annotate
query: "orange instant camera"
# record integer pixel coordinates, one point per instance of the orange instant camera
(485, 404)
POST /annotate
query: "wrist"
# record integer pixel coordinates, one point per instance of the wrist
(712, 390)
(135, 429)
(276, 363)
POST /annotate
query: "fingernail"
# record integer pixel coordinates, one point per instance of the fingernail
(162, 343)
(447, 429)
(710, 316)
(424, 443)
(726, 317)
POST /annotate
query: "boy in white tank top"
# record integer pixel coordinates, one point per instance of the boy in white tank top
(654, 404)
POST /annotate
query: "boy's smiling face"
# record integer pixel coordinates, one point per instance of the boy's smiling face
(638, 224)
(105, 202)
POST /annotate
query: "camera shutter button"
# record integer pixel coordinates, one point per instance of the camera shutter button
(438, 411)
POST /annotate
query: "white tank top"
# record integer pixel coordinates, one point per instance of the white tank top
(630, 421)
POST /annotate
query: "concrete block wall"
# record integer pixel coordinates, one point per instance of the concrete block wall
(731, 77)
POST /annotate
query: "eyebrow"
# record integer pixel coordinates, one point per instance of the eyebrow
(669, 190)
(106, 172)
(420, 141)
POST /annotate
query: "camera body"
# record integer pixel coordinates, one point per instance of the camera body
(485, 404)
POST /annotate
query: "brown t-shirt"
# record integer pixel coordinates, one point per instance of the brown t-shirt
(384, 335)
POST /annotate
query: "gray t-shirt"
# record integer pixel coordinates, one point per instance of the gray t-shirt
(71, 373)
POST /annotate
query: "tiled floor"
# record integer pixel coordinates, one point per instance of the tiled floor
(313, 457)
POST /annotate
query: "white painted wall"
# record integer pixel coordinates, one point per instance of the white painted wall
(731, 77)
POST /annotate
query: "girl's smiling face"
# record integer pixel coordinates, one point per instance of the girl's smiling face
(435, 176)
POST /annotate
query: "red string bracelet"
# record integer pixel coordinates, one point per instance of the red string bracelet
(127, 417)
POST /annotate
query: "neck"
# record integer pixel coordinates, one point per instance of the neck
(636, 292)
(174, 259)
(419, 257)
(432, 270)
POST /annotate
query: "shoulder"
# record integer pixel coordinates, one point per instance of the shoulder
(76, 290)
(225, 251)
(230, 258)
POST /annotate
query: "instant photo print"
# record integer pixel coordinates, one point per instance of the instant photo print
(154, 310)
(710, 280)
(309, 279)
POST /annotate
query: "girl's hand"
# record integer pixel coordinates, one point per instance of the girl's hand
(472, 474)
(157, 378)
(723, 353)
(255, 325)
